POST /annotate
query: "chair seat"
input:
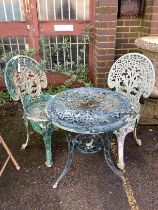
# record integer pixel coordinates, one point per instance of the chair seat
(37, 110)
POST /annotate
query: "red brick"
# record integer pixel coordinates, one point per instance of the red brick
(147, 23)
(100, 76)
(122, 51)
(118, 45)
(106, 45)
(122, 40)
(148, 16)
(110, 31)
(101, 51)
(102, 81)
(102, 38)
(155, 16)
(100, 64)
(128, 45)
(135, 29)
(100, 70)
(106, 17)
(122, 29)
(154, 31)
(154, 24)
(127, 35)
(155, 3)
(149, 9)
(120, 22)
(108, 2)
(152, 9)
(119, 35)
(134, 50)
(106, 10)
(110, 51)
(111, 38)
(131, 40)
(133, 23)
(105, 57)
(106, 24)
(100, 85)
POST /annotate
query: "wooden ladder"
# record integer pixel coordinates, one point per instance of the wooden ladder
(10, 156)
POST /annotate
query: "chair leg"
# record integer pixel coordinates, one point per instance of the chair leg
(69, 160)
(26, 122)
(47, 136)
(138, 141)
(120, 142)
(10, 156)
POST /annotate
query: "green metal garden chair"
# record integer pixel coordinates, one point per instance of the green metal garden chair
(132, 75)
(24, 80)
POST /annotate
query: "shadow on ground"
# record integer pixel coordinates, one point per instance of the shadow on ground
(89, 184)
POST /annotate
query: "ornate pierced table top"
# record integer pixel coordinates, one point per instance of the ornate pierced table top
(89, 110)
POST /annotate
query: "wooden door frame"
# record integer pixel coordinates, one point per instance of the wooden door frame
(33, 29)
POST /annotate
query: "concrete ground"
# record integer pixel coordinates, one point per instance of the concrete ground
(90, 183)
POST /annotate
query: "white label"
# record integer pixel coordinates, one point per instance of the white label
(63, 27)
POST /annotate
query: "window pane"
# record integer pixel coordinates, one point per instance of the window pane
(11, 10)
(63, 9)
(11, 46)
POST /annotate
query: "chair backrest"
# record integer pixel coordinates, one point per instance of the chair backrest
(24, 76)
(132, 75)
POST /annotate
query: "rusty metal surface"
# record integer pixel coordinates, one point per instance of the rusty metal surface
(89, 110)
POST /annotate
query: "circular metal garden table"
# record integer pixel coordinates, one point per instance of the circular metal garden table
(89, 116)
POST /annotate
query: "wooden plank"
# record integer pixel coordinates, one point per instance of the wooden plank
(46, 28)
(32, 24)
(13, 28)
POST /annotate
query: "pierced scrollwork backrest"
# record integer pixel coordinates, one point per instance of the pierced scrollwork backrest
(24, 76)
(132, 75)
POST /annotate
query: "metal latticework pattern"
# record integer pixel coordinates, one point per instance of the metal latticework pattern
(23, 76)
(24, 80)
(88, 110)
(132, 75)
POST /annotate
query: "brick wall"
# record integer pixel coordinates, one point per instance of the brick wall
(115, 37)
(150, 20)
(128, 29)
(105, 39)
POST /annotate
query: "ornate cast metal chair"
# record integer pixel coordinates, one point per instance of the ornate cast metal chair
(24, 80)
(133, 76)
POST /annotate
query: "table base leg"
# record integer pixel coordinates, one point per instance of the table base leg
(69, 160)
(106, 148)
(108, 156)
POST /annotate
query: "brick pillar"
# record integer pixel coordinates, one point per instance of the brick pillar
(150, 21)
(105, 39)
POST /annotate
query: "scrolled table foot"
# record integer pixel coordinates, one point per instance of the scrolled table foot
(108, 156)
(55, 185)
(69, 160)
(23, 147)
(121, 166)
